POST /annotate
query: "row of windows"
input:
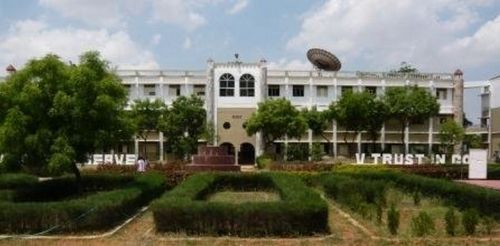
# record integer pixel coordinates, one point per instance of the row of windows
(226, 85)
(173, 90)
(322, 91)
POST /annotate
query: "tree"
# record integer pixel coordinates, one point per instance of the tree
(472, 141)
(352, 111)
(410, 104)
(184, 124)
(451, 133)
(210, 134)
(54, 114)
(407, 68)
(377, 114)
(317, 121)
(145, 115)
(275, 119)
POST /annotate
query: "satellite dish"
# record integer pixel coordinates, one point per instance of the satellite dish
(323, 60)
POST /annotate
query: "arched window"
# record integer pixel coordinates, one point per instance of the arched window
(226, 85)
(247, 85)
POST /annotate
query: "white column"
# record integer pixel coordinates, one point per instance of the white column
(161, 145)
(286, 147)
(310, 138)
(334, 137)
(407, 138)
(359, 142)
(136, 147)
(382, 137)
(431, 130)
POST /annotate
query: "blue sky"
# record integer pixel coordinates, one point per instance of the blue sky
(375, 35)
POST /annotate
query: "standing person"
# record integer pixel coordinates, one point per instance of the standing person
(141, 164)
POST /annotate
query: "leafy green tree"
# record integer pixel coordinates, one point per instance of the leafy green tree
(451, 133)
(410, 104)
(377, 114)
(210, 133)
(184, 124)
(473, 141)
(353, 111)
(318, 121)
(276, 118)
(407, 68)
(53, 115)
(145, 115)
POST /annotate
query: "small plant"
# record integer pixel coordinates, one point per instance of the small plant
(379, 213)
(317, 152)
(489, 224)
(422, 224)
(297, 152)
(451, 218)
(263, 161)
(470, 219)
(393, 220)
(416, 198)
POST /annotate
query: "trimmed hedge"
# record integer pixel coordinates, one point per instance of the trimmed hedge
(98, 211)
(464, 196)
(16, 180)
(184, 209)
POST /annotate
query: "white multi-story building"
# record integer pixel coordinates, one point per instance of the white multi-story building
(232, 91)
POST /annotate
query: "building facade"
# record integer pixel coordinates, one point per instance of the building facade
(490, 116)
(232, 91)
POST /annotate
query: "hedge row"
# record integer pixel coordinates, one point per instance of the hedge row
(300, 212)
(485, 200)
(97, 211)
(15, 180)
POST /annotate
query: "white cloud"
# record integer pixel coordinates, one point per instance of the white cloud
(156, 39)
(187, 43)
(237, 7)
(28, 39)
(287, 64)
(377, 34)
(184, 13)
(108, 13)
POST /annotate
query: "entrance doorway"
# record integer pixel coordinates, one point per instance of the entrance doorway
(229, 148)
(246, 156)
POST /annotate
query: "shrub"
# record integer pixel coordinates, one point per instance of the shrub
(416, 198)
(470, 219)
(263, 161)
(297, 152)
(422, 224)
(489, 224)
(451, 219)
(301, 211)
(393, 220)
(317, 152)
(15, 180)
(97, 211)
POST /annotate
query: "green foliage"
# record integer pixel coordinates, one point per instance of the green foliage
(301, 211)
(393, 220)
(15, 180)
(451, 219)
(473, 141)
(53, 115)
(297, 152)
(407, 68)
(210, 133)
(317, 152)
(422, 224)
(263, 161)
(98, 211)
(416, 198)
(276, 118)
(409, 104)
(184, 124)
(489, 224)
(451, 133)
(318, 121)
(470, 219)
(145, 116)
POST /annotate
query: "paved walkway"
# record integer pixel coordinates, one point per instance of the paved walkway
(494, 184)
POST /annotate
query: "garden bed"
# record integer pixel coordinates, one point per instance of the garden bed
(186, 209)
(46, 206)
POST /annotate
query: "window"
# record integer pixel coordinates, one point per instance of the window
(442, 93)
(199, 90)
(174, 90)
(371, 89)
(298, 91)
(226, 85)
(442, 120)
(247, 84)
(273, 90)
(149, 90)
(346, 89)
(322, 91)
(226, 125)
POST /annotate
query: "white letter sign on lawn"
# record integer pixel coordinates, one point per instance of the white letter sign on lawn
(478, 164)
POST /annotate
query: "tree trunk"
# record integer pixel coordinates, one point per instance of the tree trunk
(78, 177)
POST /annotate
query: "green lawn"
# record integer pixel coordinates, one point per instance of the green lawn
(244, 196)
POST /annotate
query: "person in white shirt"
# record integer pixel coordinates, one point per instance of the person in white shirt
(141, 164)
